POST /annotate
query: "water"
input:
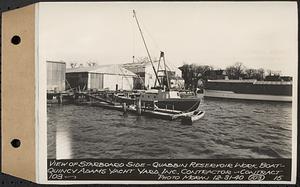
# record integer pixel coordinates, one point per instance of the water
(229, 129)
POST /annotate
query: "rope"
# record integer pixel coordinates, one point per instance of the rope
(151, 37)
(69, 85)
(133, 39)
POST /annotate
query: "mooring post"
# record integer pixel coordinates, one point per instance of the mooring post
(60, 98)
(124, 108)
(139, 107)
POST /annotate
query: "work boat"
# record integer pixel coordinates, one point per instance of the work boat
(168, 100)
(161, 96)
(160, 101)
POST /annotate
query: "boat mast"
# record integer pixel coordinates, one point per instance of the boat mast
(166, 72)
(162, 56)
(136, 19)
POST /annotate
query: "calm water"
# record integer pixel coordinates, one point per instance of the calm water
(229, 129)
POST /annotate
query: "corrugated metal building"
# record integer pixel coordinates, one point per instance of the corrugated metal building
(146, 75)
(110, 77)
(56, 76)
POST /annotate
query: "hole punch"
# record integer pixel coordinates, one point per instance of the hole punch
(16, 40)
(15, 143)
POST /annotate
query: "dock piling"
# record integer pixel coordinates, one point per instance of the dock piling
(60, 98)
(139, 107)
(124, 108)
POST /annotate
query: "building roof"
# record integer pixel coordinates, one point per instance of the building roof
(138, 64)
(114, 69)
(146, 64)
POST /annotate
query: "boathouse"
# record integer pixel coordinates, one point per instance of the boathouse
(56, 76)
(100, 77)
(145, 78)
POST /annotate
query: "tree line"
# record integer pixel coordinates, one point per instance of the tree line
(195, 75)
(239, 71)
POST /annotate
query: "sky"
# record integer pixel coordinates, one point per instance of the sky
(258, 34)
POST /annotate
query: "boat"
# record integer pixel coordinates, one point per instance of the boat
(168, 99)
(161, 94)
(249, 90)
(159, 101)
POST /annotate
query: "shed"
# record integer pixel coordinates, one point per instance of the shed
(145, 74)
(56, 76)
(100, 77)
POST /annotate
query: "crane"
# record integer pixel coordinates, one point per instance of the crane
(144, 41)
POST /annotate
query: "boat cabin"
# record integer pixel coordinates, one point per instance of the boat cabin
(153, 95)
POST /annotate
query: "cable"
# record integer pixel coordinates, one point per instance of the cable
(133, 39)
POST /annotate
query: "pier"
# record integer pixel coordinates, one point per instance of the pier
(126, 102)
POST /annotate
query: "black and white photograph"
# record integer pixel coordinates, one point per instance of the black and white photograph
(170, 80)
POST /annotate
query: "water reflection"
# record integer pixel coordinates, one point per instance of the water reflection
(63, 144)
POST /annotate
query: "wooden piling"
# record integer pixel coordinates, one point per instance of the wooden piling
(139, 107)
(124, 108)
(60, 98)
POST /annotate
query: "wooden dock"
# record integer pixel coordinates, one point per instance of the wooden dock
(108, 100)
(59, 97)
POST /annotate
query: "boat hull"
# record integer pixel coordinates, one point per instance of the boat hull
(233, 95)
(174, 104)
(180, 104)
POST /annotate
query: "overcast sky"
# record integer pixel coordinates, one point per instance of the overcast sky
(218, 34)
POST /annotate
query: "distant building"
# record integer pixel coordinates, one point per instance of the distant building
(56, 76)
(111, 77)
(145, 74)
